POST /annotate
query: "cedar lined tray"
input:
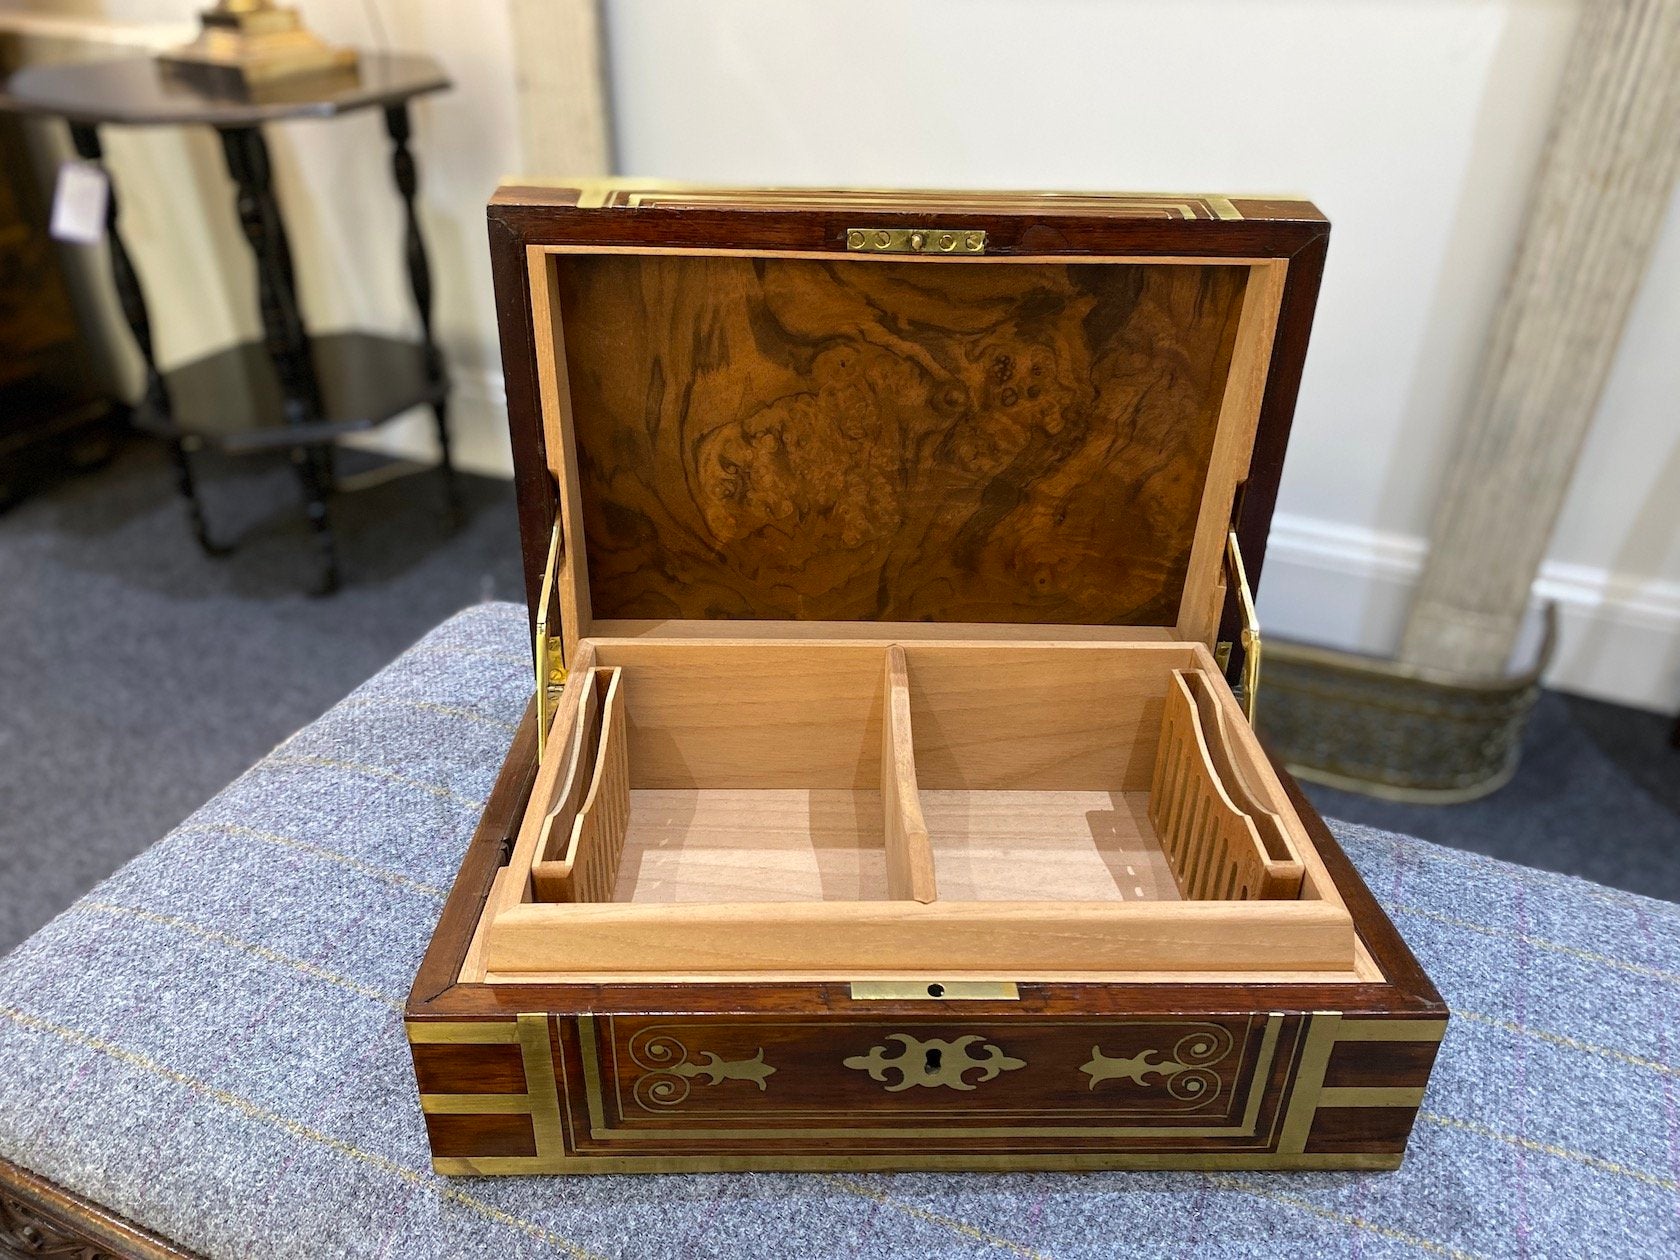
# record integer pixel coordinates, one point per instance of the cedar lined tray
(837, 809)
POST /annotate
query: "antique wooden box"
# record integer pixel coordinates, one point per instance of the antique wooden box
(884, 802)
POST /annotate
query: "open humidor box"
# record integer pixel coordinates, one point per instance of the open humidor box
(885, 555)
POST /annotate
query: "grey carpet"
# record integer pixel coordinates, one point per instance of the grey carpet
(138, 677)
(212, 1044)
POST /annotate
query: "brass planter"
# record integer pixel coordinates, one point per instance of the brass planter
(1400, 732)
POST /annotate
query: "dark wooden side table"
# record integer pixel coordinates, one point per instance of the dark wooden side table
(53, 416)
(291, 391)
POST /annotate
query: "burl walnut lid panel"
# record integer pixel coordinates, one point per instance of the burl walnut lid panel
(848, 406)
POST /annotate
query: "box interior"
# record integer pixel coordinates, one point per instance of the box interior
(886, 589)
(781, 800)
(694, 785)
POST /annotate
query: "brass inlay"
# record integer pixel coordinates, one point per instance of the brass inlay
(931, 240)
(1013, 1161)
(934, 1063)
(631, 193)
(935, 990)
(1186, 1075)
(594, 1097)
(1371, 1096)
(541, 1099)
(589, 1052)
(1322, 1028)
(1307, 1094)
(474, 1033)
(550, 657)
(671, 1073)
(1392, 1030)
(540, 1087)
(1250, 627)
(475, 1104)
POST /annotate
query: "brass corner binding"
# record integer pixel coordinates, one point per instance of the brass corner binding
(1251, 644)
(548, 652)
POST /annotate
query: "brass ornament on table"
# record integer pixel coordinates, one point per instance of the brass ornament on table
(247, 45)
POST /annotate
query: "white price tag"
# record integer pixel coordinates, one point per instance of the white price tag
(78, 210)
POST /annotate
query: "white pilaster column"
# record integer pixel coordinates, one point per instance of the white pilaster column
(1603, 188)
(561, 82)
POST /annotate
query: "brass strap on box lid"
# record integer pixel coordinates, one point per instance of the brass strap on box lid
(549, 653)
(1250, 627)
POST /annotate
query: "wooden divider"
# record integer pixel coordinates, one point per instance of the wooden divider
(1285, 873)
(909, 854)
(585, 866)
(1214, 848)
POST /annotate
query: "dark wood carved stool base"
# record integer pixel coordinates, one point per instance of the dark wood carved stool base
(38, 1218)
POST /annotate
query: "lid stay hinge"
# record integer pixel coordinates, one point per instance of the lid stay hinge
(1237, 576)
(549, 653)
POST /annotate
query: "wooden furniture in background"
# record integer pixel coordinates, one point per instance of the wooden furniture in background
(893, 811)
(293, 391)
(52, 413)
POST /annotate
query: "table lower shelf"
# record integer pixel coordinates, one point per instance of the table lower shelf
(231, 400)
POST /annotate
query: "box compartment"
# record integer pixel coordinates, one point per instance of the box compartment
(842, 807)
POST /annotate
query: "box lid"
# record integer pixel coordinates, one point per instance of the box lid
(1024, 409)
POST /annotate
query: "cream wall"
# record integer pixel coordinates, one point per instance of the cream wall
(1415, 124)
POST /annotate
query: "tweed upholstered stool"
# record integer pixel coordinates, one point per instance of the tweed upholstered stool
(206, 1056)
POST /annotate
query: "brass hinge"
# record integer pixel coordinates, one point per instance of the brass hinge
(1238, 577)
(861, 240)
(549, 653)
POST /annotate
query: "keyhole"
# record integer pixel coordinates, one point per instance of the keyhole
(932, 1062)
(936, 990)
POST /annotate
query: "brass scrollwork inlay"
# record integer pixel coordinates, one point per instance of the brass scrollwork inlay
(671, 1073)
(1187, 1074)
(933, 1062)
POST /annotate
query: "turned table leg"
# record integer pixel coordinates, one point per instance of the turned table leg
(155, 398)
(284, 335)
(407, 179)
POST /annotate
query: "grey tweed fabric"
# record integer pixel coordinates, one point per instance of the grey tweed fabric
(211, 1043)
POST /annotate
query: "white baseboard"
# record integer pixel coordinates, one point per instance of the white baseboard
(1348, 587)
